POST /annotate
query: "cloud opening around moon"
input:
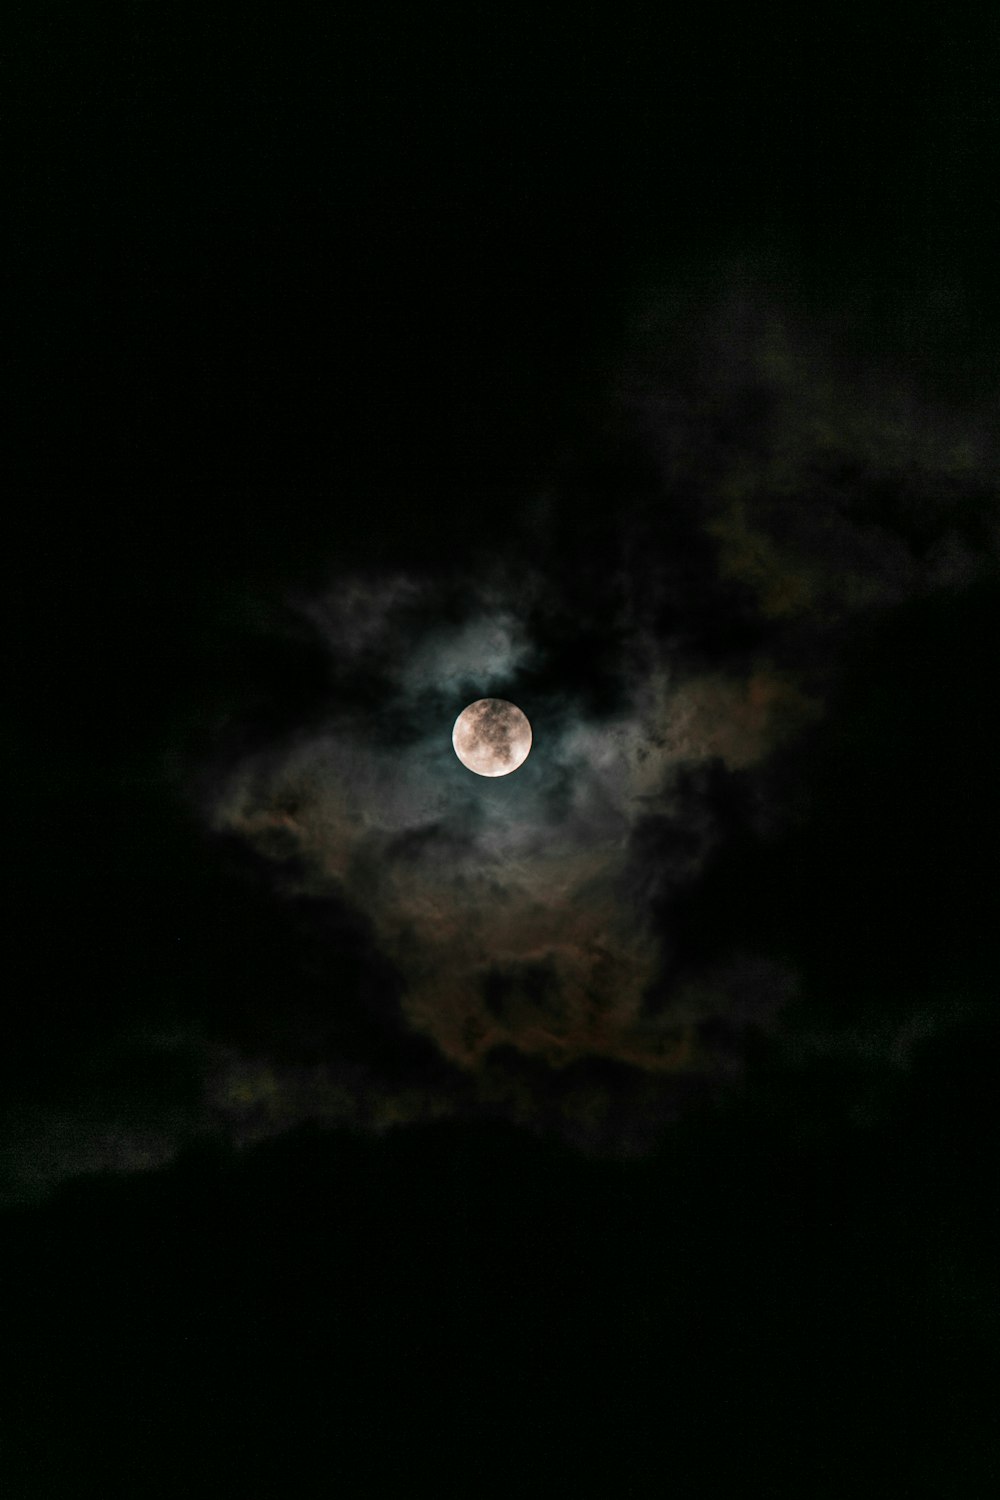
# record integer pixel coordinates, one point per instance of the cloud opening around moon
(666, 659)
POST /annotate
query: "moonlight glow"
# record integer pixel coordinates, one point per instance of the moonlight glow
(492, 737)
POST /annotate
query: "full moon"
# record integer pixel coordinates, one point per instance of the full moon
(492, 737)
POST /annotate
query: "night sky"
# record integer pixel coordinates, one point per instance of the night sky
(626, 1125)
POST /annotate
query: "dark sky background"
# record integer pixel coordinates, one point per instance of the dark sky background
(624, 1126)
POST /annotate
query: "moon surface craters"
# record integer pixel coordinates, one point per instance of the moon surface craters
(492, 737)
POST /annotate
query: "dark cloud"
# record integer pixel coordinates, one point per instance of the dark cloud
(683, 608)
(674, 624)
(535, 874)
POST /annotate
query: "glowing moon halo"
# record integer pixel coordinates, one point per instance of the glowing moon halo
(492, 737)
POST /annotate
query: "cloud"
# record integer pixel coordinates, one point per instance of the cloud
(830, 484)
(671, 612)
(664, 651)
(520, 914)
